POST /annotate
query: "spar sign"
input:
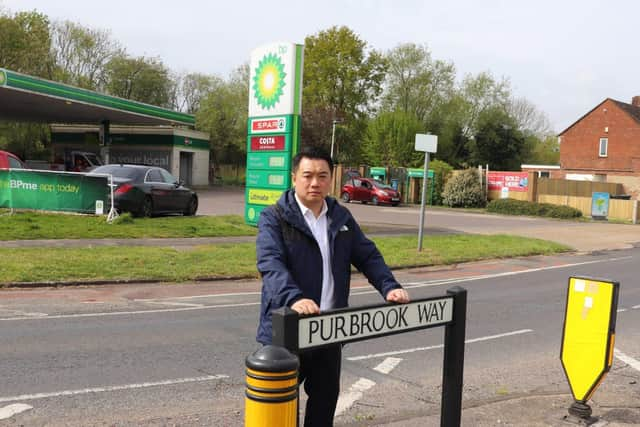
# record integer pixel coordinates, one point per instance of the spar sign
(273, 126)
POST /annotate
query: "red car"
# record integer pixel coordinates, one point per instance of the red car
(10, 161)
(367, 190)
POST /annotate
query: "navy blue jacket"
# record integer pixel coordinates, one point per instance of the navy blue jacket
(290, 262)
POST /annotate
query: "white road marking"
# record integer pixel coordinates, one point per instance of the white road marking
(621, 310)
(635, 364)
(24, 313)
(636, 307)
(126, 313)
(388, 365)
(182, 304)
(407, 285)
(110, 388)
(236, 294)
(355, 393)
(440, 282)
(433, 347)
(15, 409)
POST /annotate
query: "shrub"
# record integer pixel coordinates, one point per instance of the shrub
(521, 207)
(464, 190)
(441, 171)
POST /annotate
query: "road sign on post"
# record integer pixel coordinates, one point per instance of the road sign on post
(302, 333)
(588, 337)
(428, 144)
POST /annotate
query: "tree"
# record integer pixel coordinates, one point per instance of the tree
(477, 95)
(25, 44)
(82, 54)
(415, 82)
(140, 79)
(528, 118)
(498, 142)
(27, 140)
(192, 88)
(544, 151)
(390, 140)
(223, 114)
(343, 77)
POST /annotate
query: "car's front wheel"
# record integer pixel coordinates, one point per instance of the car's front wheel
(345, 197)
(192, 207)
(374, 200)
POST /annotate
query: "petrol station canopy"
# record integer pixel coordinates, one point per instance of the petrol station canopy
(31, 99)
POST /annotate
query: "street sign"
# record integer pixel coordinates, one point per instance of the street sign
(299, 333)
(589, 334)
(373, 322)
(427, 143)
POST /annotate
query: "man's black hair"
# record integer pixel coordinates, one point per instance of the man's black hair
(314, 154)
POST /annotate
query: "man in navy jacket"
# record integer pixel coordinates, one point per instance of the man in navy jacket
(306, 245)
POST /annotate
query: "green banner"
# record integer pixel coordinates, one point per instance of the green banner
(50, 191)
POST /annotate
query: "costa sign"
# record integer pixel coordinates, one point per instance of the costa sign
(268, 143)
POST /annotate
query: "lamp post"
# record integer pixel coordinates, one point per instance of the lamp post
(333, 135)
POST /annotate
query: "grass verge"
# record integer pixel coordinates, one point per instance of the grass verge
(236, 260)
(32, 225)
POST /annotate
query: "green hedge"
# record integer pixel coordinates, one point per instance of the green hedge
(521, 207)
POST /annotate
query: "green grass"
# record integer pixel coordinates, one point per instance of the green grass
(31, 225)
(237, 260)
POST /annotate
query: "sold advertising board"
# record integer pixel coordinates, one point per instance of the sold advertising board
(514, 181)
(50, 191)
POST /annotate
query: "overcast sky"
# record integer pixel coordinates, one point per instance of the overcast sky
(564, 56)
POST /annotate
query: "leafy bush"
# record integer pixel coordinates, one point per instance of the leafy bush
(463, 190)
(521, 207)
(441, 171)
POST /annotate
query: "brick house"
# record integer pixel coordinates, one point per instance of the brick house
(604, 145)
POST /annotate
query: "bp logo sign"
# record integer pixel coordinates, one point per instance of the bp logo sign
(3, 78)
(269, 81)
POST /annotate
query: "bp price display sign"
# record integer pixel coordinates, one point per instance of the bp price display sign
(589, 333)
(273, 128)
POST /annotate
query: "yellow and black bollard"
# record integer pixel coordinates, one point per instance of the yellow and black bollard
(272, 388)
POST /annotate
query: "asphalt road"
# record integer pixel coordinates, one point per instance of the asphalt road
(583, 236)
(174, 354)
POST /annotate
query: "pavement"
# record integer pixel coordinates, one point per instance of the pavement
(614, 404)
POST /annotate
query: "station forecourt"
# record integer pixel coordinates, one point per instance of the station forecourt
(118, 129)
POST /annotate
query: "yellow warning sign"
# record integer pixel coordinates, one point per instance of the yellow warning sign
(589, 333)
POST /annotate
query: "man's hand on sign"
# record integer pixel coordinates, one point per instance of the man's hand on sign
(305, 306)
(398, 295)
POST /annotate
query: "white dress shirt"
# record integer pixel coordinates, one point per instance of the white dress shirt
(320, 228)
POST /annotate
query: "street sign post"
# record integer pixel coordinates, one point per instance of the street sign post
(428, 144)
(588, 337)
(335, 327)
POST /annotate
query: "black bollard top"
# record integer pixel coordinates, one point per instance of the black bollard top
(271, 358)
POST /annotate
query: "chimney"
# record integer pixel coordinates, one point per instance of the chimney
(635, 101)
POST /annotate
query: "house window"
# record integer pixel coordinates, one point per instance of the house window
(604, 142)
